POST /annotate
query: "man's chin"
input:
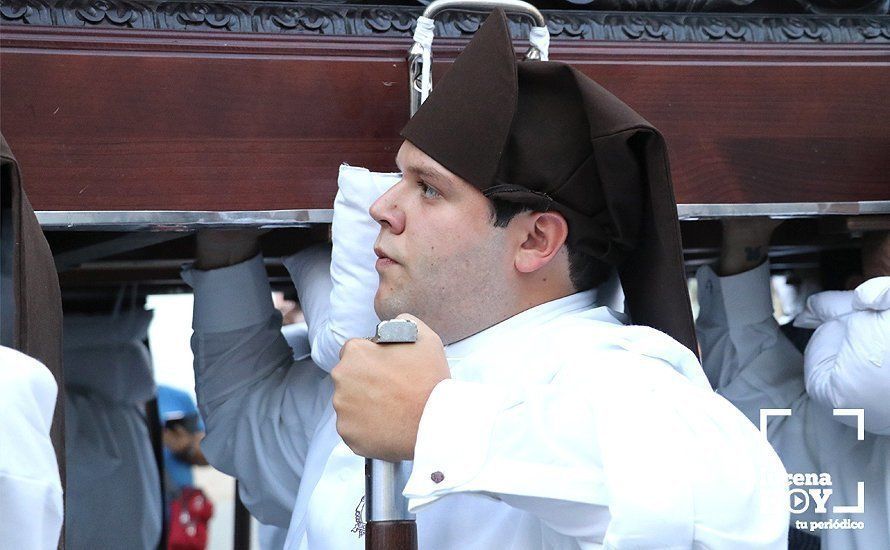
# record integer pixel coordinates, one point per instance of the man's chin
(378, 309)
(387, 306)
(382, 307)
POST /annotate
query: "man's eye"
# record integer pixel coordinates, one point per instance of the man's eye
(427, 191)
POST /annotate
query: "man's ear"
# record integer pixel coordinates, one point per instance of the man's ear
(543, 234)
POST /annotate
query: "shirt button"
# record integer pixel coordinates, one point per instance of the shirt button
(437, 477)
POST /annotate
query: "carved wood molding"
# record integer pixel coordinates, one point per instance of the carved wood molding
(394, 21)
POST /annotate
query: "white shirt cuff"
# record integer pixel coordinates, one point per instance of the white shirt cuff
(452, 439)
(745, 298)
(230, 298)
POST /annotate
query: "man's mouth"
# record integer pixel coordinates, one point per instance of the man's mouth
(382, 259)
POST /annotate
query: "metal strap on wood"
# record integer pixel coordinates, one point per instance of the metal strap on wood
(182, 220)
(178, 220)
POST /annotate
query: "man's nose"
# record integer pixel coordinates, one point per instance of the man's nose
(386, 210)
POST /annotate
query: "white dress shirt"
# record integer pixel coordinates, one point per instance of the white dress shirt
(560, 428)
(114, 493)
(751, 363)
(30, 489)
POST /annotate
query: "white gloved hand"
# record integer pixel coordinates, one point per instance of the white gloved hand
(847, 362)
(823, 307)
(873, 294)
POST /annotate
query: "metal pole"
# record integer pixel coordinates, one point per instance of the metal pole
(156, 435)
(7, 284)
(242, 523)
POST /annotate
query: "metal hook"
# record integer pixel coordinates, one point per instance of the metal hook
(415, 54)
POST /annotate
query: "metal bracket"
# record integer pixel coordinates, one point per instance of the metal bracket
(395, 331)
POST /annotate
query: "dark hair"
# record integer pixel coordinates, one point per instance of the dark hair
(585, 271)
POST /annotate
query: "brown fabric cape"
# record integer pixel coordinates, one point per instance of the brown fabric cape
(38, 300)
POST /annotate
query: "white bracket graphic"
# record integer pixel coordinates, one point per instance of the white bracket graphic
(800, 504)
(860, 502)
(766, 413)
(860, 420)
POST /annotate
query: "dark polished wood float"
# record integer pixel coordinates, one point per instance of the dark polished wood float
(144, 107)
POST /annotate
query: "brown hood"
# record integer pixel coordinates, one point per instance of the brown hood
(543, 133)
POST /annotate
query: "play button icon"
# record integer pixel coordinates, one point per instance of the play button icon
(800, 500)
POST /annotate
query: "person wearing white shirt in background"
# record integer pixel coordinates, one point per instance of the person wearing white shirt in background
(846, 365)
(114, 489)
(296, 333)
(30, 488)
(544, 421)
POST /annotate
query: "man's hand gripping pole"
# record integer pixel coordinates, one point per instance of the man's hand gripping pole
(389, 524)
